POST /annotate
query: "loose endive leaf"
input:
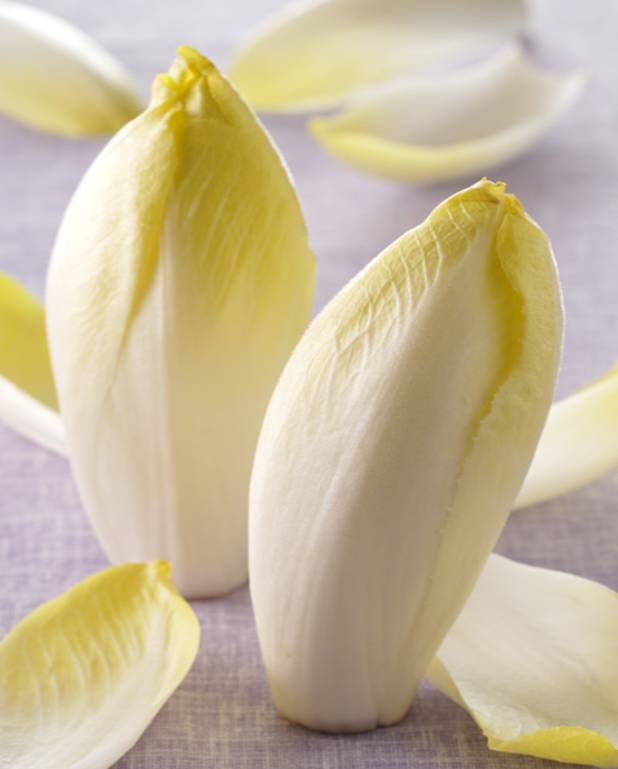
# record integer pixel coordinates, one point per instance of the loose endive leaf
(24, 359)
(31, 418)
(533, 658)
(55, 78)
(579, 443)
(27, 394)
(83, 675)
(315, 53)
(452, 125)
(180, 281)
(394, 445)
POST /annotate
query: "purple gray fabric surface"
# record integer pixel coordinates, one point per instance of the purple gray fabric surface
(222, 716)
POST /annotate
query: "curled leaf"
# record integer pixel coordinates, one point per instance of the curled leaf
(533, 658)
(393, 447)
(28, 401)
(25, 355)
(448, 126)
(579, 443)
(31, 418)
(314, 54)
(83, 675)
(55, 78)
(180, 281)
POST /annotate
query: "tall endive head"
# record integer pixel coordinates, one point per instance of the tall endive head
(180, 281)
(392, 450)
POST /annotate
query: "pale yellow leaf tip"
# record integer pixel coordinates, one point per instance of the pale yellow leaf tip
(55, 78)
(24, 353)
(190, 65)
(315, 53)
(452, 125)
(28, 402)
(579, 443)
(566, 744)
(532, 657)
(102, 659)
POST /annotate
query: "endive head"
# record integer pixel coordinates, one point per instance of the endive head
(180, 281)
(392, 450)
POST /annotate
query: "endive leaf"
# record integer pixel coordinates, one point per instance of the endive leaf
(449, 126)
(533, 658)
(83, 675)
(180, 281)
(55, 78)
(315, 53)
(27, 393)
(28, 416)
(579, 443)
(25, 356)
(393, 447)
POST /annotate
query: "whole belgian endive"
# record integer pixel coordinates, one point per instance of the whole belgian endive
(180, 281)
(392, 450)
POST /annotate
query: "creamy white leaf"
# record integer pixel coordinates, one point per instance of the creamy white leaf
(28, 416)
(579, 443)
(426, 129)
(314, 54)
(55, 78)
(533, 658)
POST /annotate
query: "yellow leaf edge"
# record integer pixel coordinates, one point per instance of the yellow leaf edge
(565, 744)
(154, 572)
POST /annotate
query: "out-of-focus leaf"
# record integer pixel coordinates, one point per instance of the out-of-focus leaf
(55, 78)
(579, 443)
(426, 129)
(28, 401)
(314, 54)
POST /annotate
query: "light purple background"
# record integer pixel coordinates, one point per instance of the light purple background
(221, 716)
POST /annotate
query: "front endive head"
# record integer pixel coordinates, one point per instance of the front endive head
(180, 281)
(393, 447)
